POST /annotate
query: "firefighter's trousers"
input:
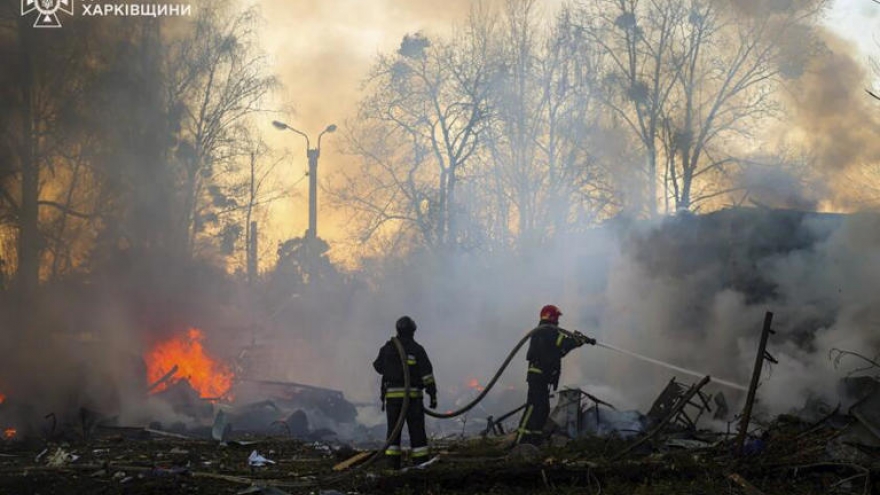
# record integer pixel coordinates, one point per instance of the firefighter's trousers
(531, 426)
(415, 421)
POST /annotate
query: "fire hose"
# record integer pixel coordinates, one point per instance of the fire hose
(398, 425)
(470, 405)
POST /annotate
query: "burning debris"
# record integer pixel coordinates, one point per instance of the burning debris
(184, 357)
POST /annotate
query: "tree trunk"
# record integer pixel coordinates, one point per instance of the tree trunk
(68, 204)
(28, 276)
(441, 210)
(652, 181)
(251, 226)
(451, 234)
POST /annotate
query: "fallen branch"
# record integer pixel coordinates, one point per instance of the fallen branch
(836, 355)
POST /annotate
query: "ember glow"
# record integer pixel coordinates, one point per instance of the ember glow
(9, 433)
(2, 397)
(475, 384)
(210, 377)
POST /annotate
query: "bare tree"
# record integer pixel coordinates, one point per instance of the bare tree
(44, 84)
(637, 38)
(430, 98)
(216, 80)
(724, 89)
(242, 199)
(692, 80)
(544, 119)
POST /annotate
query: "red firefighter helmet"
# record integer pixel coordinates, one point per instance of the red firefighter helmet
(551, 313)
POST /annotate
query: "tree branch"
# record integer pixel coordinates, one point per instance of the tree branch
(66, 210)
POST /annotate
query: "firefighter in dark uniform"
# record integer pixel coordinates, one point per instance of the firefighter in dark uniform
(421, 380)
(547, 346)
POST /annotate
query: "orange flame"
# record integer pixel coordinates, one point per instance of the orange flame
(208, 376)
(9, 433)
(475, 384)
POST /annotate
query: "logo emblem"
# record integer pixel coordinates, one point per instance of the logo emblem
(47, 11)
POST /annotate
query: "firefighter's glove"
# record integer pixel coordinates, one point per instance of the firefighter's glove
(433, 404)
(583, 339)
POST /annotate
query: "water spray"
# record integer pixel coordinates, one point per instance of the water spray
(672, 366)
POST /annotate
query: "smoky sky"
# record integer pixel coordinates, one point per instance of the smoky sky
(830, 104)
(322, 52)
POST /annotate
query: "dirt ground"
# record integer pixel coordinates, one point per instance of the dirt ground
(152, 464)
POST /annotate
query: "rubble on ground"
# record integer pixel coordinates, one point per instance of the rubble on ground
(594, 448)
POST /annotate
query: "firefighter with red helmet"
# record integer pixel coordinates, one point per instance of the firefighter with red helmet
(421, 376)
(547, 346)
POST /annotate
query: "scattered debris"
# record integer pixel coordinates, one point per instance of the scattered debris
(817, 449)
(426, 464)
(670, 397)
(291, 395)
(257, 460)
(673, 413)
(60, 458)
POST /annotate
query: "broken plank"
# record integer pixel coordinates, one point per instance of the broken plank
(353, 460)
(747, 487)
(167, 434)
(165, 378)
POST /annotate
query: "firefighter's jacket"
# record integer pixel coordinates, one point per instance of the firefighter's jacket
(547, 346)
(421, 373)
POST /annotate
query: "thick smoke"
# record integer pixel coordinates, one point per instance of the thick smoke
(831, 107)
(688, 290)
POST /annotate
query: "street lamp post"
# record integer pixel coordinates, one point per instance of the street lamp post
(312, 154)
